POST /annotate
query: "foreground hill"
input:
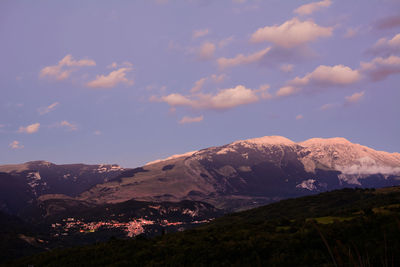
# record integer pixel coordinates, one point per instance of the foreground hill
(249, 173)
(350, 227)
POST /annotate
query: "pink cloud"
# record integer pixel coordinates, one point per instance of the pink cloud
(380, 68)
(286, 67)
(200, 33)
(388, 22)
(224, 99)
(198, 85)
(354, 98)
(287, 91)
(30, 129)
(187, 119)
(112, 79)
(328, 76)
(310, 8)
(241, 59)
(387, 46)
(45, 110)
(65, 67)
(206, 51)
(16, 145)
(70, 126)
(291, 33)
(323, 76)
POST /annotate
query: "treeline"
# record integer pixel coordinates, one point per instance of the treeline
(351, 227)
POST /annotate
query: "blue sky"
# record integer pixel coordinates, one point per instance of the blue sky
(128, 82)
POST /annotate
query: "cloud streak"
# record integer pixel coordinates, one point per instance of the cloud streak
(354, 98)
(241, 59)
(310, 8)
(64, 68)
(200, 33)
(45, 110)
(187, 119)
(111, 80)
(65, 124)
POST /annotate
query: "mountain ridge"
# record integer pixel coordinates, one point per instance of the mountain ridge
(269, 168)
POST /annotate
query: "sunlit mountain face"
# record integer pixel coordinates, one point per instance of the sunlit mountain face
(131, 119)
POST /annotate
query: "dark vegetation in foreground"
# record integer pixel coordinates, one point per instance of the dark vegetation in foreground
(350, 227)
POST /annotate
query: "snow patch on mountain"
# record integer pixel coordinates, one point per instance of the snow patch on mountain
(308, 184)
(188, 154)
(265, 141)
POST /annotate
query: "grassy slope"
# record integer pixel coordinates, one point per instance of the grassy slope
(346, 227)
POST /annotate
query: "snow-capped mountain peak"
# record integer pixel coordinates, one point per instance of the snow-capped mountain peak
(325, 141)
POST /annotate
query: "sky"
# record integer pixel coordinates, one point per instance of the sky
(129, 82)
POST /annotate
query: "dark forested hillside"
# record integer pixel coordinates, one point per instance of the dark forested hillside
(350, 227)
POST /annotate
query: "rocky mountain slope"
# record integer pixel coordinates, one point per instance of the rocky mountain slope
(252, 172)
(21, 184)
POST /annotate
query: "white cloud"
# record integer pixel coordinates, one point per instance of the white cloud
(224, 99)
(112, 79)
(206, 51)
(354, 98)
(30, 129)
(291, 33)
(65, 67)
(45, 110)
(187, 119)
(387, 46)
(299, 117)
(310, 8)
(380, 68)
(70, 126)
(241, 59)
(200, 33)
(286, 67)
(16, 145)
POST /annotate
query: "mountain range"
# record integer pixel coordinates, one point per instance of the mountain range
(71, 204)
(253, 172)
(239, 175)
